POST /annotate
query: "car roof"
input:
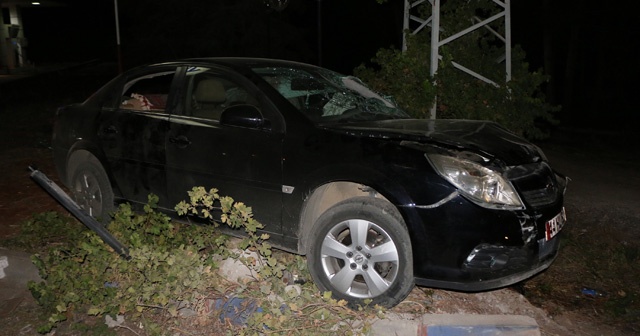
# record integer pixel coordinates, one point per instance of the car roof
(240, 62)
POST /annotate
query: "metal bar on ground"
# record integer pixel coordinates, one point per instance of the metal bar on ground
(59, 195)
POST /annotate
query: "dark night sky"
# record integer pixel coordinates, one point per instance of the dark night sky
(352, 30)
(592, 45)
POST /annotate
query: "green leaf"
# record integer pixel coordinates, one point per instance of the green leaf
(93, 311)
(266, 289)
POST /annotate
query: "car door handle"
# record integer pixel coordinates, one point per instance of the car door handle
(180, 141)
(110, 130)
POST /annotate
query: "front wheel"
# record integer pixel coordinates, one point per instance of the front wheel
(361, 251)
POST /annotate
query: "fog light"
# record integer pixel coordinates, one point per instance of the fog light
(488, 257)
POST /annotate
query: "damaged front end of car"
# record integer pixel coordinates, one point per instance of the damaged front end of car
(494, 225)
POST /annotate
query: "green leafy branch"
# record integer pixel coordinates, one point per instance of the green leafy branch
(236, 215)
(174, 268)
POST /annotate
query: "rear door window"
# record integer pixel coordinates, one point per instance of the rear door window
(148, 93)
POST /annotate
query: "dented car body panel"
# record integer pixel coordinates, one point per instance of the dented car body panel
(300, 148)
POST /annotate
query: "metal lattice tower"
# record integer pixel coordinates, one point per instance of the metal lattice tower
(413, 24)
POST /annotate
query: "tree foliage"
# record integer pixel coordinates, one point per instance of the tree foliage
(518, 104)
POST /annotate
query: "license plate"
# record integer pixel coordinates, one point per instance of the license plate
(553, 226)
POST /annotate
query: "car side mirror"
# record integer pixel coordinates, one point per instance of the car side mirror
(243, 115)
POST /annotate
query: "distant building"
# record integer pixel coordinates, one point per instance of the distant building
(12, 40)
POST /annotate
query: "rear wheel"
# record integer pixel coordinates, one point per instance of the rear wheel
(90, 187)
(361, 250)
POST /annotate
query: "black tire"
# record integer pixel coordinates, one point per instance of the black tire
(90, 187)
(350, 270)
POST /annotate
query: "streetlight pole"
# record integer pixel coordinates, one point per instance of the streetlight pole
(119, 50)
(319, 32)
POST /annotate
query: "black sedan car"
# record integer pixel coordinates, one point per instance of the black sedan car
(376, 200)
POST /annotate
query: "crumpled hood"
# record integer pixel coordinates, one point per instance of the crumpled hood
(484, 137)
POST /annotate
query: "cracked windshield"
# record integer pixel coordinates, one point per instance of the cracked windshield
(325, 96)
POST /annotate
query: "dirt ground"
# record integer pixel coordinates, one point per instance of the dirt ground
(603, 192)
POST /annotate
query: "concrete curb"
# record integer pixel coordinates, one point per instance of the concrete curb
(458, 324)
(16, 270)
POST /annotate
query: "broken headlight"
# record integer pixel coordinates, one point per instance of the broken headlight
(482, 185)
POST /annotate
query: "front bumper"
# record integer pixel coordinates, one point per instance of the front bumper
(498, 266)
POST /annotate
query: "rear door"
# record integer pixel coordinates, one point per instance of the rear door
(244, 163)
(133, 133)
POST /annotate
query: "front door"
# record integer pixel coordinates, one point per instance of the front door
(243, 163)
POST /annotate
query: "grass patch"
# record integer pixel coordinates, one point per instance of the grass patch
(594, 255)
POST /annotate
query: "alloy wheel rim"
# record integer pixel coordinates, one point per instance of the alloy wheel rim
(88, 194)
(359, 258)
